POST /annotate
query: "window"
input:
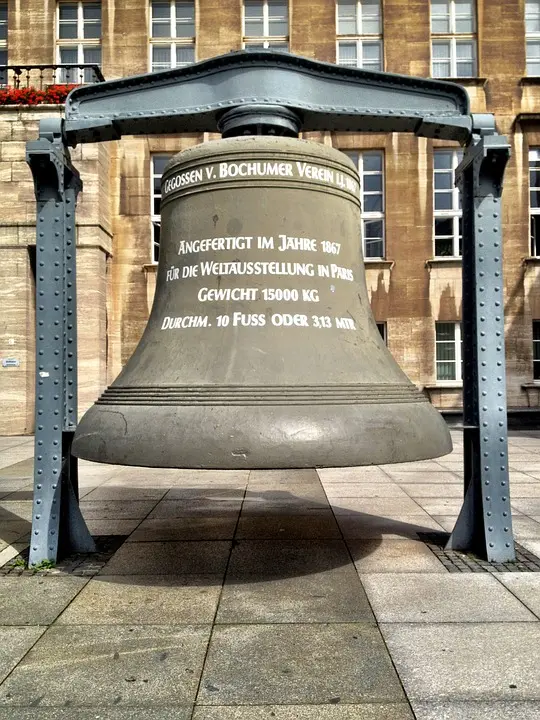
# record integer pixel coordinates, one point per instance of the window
(381, 327)
(536, 349)
(266, 25)
(370, 169)
(448, 351)
(447, 214)
(534, 200)
(158, 163)
(532, 36)
(359, 29)
(172, 34)
(78, 36)
(3, 42)
(453, 39)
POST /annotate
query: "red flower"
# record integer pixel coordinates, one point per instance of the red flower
(54, 95)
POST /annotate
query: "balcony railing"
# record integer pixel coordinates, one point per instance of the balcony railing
(40, 77)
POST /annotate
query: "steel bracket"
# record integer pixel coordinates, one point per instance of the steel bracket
(57, 524)
(484, 525)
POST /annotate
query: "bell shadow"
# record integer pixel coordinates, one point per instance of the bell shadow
(248, 537)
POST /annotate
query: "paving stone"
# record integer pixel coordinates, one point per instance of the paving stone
(435, 490)
(112, 526)
(298, 664)
(532, 545)
(440, 477)
(276, 527)
(304, 493)
(370, 526)
(333, 596)
(370, 473)
(366, 711)
(145, 600)
(200, 492)
(76, 713)
(524, 490)
(335, 491)
(173, 558)
(440, 505)
(116, 509)
(15, 510)
(22, 469)
(528, 506)
(275, 560)
(293, 506)
(14, 644)
(283, 477)
(94, 667)
(450, 598)
(196, 506)
(476, 711)
(385, 507)
(201, 527)
(466, 662)
(36, 600)
(393, 556)
(104, 493)
(525, 586)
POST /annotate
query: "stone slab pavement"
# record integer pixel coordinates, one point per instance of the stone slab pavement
(269, 595)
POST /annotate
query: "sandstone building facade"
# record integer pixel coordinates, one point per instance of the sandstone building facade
(411, 210)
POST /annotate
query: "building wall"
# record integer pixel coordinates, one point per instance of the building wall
(409, 289)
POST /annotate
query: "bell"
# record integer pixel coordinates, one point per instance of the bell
(261, 350)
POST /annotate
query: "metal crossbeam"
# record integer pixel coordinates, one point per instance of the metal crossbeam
(266, 92)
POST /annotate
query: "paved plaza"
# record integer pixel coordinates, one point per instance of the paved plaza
(270, 595)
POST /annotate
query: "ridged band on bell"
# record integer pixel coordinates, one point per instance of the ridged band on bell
(261, 350)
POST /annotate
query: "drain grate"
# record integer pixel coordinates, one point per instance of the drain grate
(456, 561)
(85, 564)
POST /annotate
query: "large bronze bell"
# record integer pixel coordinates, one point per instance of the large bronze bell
(261, 350)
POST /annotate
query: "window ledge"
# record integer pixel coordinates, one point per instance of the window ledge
(150, 267)
(380, 263)
(530, 260)
(531, 385)
(444, 260)
(445, 386)
(530, 80)
(466, 81)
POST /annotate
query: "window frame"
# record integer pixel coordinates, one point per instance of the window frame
(455, 213)
(266, 40)
(155, 218)
(535, 345)
(172, 42)
(4, 46)
(358, 157)
(458, 354)
(360, 38)
(532, 37)
(80, 43)
(453, 38)
(534, 211)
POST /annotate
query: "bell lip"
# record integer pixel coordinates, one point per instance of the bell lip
(333, 439)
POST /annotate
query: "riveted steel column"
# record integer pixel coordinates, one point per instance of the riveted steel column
(484, 525)
(57, 525)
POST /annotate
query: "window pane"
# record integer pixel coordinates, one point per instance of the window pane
(67, 31)
(372, 183)
(161, 10)
(185, 55)
(347, 54)
(67, 11)
(444, 227)
(92, 11)
(440, 16)
(536, 332)
(69, 55)
(371, 17)
(443, 180)
(442, 160)
(444, 247)
(92, 55)
(346, 17)
(443, 201)
(372, 161)
(372, 203)
(185, 19)
(161, 57)
(445, 332)
(160, 161)
(371, 55)
(535, 235)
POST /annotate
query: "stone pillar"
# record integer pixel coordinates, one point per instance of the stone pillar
(219, 27)
(125, 40)
(312, 28)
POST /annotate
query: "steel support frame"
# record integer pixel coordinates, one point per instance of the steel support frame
(57, 523)
(172, 102)
(484, 525)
